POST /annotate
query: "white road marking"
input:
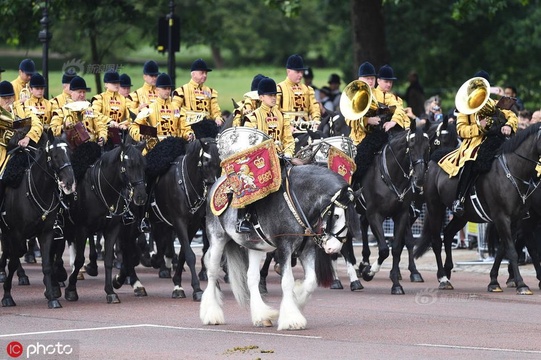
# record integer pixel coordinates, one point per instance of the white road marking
(480, 348)
(154, 326)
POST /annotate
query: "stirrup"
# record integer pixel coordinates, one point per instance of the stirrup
(243, 227)
(144, 226)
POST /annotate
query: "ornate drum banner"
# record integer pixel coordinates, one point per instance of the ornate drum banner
(341, 164)
(253, 173)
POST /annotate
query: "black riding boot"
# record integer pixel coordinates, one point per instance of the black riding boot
(464, 184)
(243, 223)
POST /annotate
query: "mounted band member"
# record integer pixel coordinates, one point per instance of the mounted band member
(297, 101)
(371, 114)
(146, 94)
(268, 119)
(478, 115)
(196, 99)
(163, 115)
(37, 103)
(77, 118)
(61, 99)
(10, 112)
(249, 103)
(20, 85)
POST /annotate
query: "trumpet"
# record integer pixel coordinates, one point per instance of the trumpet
(357, 101)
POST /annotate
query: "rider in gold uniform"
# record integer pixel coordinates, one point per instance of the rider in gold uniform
(249, 103)
(61, 99)
(146, 94)
(20, 85)
(37, 103)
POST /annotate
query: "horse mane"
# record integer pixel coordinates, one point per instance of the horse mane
(514, 142)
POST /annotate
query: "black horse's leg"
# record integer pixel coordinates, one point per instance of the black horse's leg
(80, 236)
(30, 257)
(168, 255)
(349, 257)
(264, 272)
(203, 273)
(185, 234)
(415, 275)
(12, 265)
(494, 286)
(60, 274)
(376, 224)
(504, 230)
(365, 262)
(401, 222)
(21, 274)
(3, 263)
(47, 258)
(449, 233)
(92, 266)
(110, 234)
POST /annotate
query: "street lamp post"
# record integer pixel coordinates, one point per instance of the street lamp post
(45, 36)
(171, 55)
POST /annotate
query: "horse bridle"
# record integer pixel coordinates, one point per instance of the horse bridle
(129, 185)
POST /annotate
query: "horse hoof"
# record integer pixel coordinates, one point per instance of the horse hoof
(23, 280)
(416, 278)
(524, 291)
(29, 258)
(494, 288)
(56, 292)
(54, 304)
(397, 290)
(91, 270)
(2, 276)
(165, 273)
(203, 276)
(8, 301)
(113, 299)
(366, 274)
(140, 291)
(154, 262)
(71, 295)
(197, 295)
(80, 276)
(511, 284)
(336, 285)
(117, 264)
(178, 294)
(356, 286)
(116, 283)
(100, 256)
(445, 285)
(263, 323)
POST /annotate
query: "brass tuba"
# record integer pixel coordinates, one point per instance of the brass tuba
(473, 97)
(6, 127)
(357, 101)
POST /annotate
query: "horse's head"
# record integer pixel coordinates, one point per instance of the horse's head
(441, 135)
(209, 160)
(58, 158)
(334, 221)
(132, 169)
(418, 150)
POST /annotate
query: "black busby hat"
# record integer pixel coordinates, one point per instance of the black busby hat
(200, 65)
(151, 68)
(6, 89)
(386, 73)
(111, 77)
(367, 69)
(334, 79)
(483, 74)
(125, 80)
(164, 81)
(267, 86)
(205, 128)
(37, 81)
(255, 81)
(78, 83)
(308, 73)
(27, 66)
(295, 62)
(67, 77)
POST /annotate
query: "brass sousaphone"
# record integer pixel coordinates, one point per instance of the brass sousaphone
(357, 101)
(473, 97)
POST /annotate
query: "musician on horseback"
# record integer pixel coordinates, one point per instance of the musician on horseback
(146, 94)
(10, 112)
(385, 114)
(163, 114)
(297, 101)
(78, 110)
(473, 128)
(249, 103)
(37, 103)
(61, 99)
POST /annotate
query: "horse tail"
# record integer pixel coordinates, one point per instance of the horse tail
(323, 267)
(424, 242)
(237, 268)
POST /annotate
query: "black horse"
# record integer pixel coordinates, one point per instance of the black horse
(316, 205)
(102, 203)
(387, 189)
(31, 206)
(179, 209)
(503, 195)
